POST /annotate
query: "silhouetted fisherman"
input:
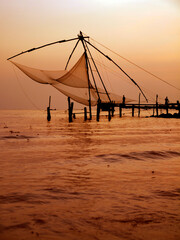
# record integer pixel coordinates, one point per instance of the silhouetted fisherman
(123, 100)
(48, 114)
(166, 101)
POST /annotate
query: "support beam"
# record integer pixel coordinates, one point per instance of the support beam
(71, 54)
(33, 49)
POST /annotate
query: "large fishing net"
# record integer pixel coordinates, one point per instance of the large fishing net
(73, 83)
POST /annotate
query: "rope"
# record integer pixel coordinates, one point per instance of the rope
(137, 65)
(101, 63)
(25, 94)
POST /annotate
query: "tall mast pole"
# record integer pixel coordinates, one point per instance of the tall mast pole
(93, 78)
(81, 38)
(98, 73)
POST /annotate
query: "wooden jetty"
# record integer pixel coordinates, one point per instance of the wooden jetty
(110, 109)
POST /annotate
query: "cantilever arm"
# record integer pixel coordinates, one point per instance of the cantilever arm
(118, 67)
(32, 49)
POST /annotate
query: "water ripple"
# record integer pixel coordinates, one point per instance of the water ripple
(139, 156)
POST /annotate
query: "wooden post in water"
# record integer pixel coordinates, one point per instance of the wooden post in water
(85, 113)
(157, 114)
(69, 109)
(139, 105)
(167, 104)
(120, 110)
(133, 110)
(113, 110)
(178, 105)
(48, 110)
(98, 112)
(123, 100)
(73, 115)
(109, 113)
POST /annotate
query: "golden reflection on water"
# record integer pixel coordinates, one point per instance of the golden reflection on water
(88, 180)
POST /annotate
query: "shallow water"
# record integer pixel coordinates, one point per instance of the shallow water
(88, 180)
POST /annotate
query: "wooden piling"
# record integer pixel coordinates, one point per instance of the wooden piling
(167, 104)
(48, 114)
(120, 110)
(48, 110)
(113, 110)
(139, 105)
(178, 106)
(157, 114)
(73, 114)
(85, 113)
(108, 107)
(90, 112)
(133, 110)
(98, 112)
(123, 100)
(70, 109)
(167, 112)
(109, 114)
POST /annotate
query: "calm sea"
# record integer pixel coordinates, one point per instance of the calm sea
(117, 180)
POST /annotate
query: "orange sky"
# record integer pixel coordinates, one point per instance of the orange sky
(145, 31)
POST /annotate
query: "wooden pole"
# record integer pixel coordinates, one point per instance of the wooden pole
(72, 105)
(178, 105)
(133, 110)
(113, 110)
(139, 105)
(157, 114)
(123, 100)
(109, 114)
(48, 110)
(81, 37)
(120, 110)
(166, 104)
(48, 114)
(85, 113)
(98, 112)
(167, 110)
(69, 109)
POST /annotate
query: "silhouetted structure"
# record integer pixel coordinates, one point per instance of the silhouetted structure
(80, 83)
